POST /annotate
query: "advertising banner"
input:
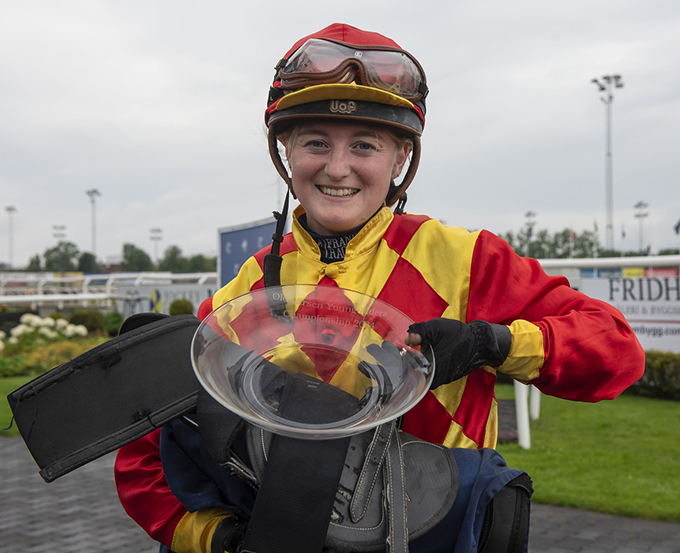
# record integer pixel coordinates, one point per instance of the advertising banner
(651, 305)
(238, 243)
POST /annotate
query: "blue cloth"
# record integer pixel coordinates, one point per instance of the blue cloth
(196, 479)
(198, 482)
(482, 473)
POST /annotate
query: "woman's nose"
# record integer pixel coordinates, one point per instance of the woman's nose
(338, 165)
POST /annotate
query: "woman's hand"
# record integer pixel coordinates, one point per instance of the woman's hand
(460, 348)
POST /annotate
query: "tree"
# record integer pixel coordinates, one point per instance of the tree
(201, 264)
(563, 244)
(173, 261)
(135, 259)
(34, 265)
(87, 263)
(540, 246)
(62, 258)
(585, 244)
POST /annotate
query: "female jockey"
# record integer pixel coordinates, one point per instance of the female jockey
(346, 111)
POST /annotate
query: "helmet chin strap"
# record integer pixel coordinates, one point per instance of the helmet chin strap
(401, 203)
(397, 194)
(272, 265)
(278, 162)
(272, 261)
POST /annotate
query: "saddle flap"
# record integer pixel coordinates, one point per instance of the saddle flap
(108, 396)
(416, 487)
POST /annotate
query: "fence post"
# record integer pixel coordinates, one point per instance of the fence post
(522, 415)
(534, 403)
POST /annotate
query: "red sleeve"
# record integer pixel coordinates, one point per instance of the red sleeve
(142, 489)
(205, 308)
(590, 351)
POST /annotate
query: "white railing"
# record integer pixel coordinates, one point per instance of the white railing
(38, 289)
(651, 261)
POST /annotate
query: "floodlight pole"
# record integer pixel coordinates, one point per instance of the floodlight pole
(531, 221)
(610, 82)
(641, 214)
(59, 232)
(93, 193)
(10, 209)
(156, 235)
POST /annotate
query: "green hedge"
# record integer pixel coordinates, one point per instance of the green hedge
(181, 307)
(92, 319)
(112, 322)
(662, 376)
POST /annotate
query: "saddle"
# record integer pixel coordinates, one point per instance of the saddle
(374, 491)
(393, 488)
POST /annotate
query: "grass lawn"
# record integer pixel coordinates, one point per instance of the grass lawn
(8, 385)
(620, 457)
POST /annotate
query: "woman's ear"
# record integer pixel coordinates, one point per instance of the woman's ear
(286, 152)
(284, 143)
(400, 158)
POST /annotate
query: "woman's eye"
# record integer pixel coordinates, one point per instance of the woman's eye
(311, 143)
(365, 147)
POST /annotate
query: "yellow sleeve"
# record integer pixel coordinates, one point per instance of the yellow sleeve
(194, 531)
(526, 352)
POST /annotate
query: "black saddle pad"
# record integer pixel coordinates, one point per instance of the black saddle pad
(108, 396)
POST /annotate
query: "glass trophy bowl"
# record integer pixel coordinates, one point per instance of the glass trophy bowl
(315, 362)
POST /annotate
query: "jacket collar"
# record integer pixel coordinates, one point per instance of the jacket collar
(365, 241)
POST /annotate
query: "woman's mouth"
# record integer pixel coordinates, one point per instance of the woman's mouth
(341, 192)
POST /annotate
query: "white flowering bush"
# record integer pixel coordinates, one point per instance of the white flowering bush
(35, 329)
(38, 344)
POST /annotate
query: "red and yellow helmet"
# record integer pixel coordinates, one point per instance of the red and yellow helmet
(342, 72)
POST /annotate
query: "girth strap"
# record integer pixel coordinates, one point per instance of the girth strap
(295, 499)
(293, 506)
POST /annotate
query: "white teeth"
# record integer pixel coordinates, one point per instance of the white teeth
(338, 191)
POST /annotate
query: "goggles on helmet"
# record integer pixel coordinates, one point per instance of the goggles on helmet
(320, 61)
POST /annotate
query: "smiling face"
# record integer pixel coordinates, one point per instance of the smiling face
(341, 172)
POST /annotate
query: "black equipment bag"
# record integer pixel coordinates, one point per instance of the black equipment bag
(108, 396)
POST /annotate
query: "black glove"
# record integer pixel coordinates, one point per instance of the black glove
(228, 536)
(460, 349)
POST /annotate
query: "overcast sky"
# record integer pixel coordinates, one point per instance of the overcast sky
(158, 104)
